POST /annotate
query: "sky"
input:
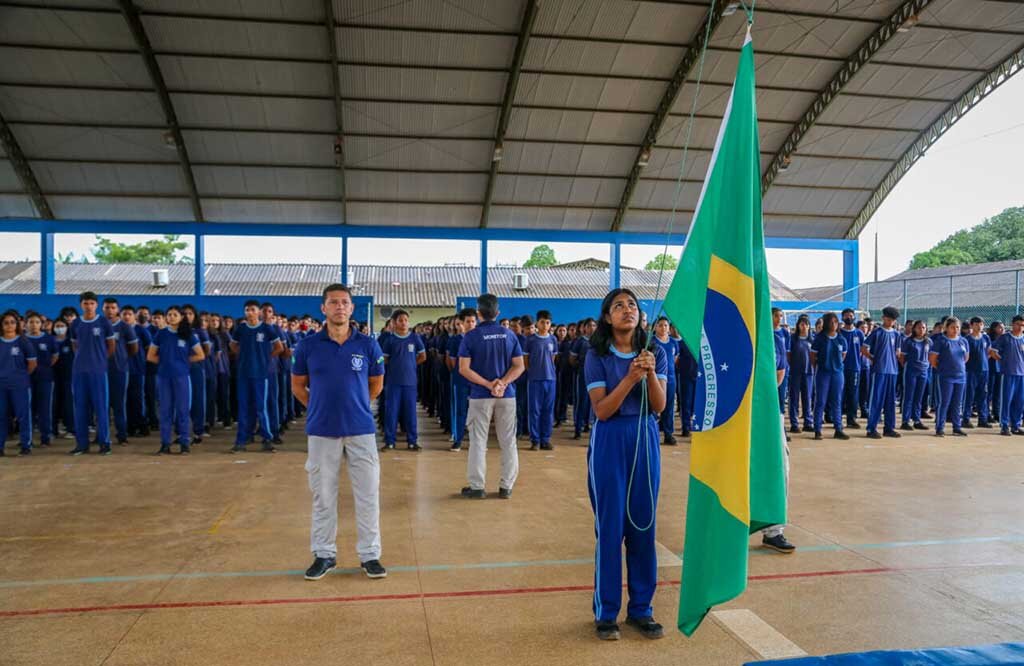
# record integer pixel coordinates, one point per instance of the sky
(972, 173)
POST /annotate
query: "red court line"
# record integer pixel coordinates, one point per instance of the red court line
(399, 597)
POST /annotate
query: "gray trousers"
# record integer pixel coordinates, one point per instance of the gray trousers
(478, 422)
(323, 465)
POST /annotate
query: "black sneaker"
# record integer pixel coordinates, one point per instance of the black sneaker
(388, 447)
(185, 449)
(534, 446)
(907, 426)
(163, 449)
(474, 494)
(920, 426)
(547, 446)
(891, 433)
(984, 424)
(967, 424)
(268, 446)
(320, 567)
(1017, 431)
(277, 440)
(647, 626)
(853, 425)
(959, 433)
(122, 441)
(817, 436)
(670, 440)
(940, 434)
(839, 434)
(778, 543)
(237, 448)
(607, 631)
(373, 569)
(684, 433)
(82, 452)
(576, 436)
(806, 428)
(456, 447)
(105, 450)
(504, 493)
(1005, 432)
(25, 452)
(413, 447)
(792, 429)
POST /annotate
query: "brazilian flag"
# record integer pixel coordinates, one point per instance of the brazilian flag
(719, 301)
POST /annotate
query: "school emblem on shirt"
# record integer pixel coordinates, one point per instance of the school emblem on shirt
(412, 347)
(181, 343)
(96, 332)
(259, 337)
(43, 346)
(357, 363)
(15, 351)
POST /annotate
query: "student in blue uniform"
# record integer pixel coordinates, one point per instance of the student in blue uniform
(174, 349)
(403, 351)
(854, 338)
(916, 361)
(1008, 349)
(561, 363)
(223, 368)
(126, 344)
(669, 345)
(45, 350)
(626, 383)
(274, 366)
(827, 354)
(882, 349)
(138, 425)
(995, 372)
(17, 363)
(686, 383)
(197, 375)
(976, 388)
(255, 343)
(63, 410)
(523, 328)
(540, 353)
(801, 378)
(581, 411)
(778, 317)
(209, 362)
(949, 357)
(152, 323)
(864, 389)
(465, 322)
(94, 342)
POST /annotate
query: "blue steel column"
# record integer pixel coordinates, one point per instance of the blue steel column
(851, 275)
(483, 266)
(344, 261)
(47, 284)
(200, 265)
(614, 265)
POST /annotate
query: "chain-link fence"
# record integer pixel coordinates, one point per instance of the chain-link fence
(992, 296)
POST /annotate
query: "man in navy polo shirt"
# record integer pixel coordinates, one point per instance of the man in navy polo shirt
(255, 343)
(337, 372)
(93, 340)
(404, 351)
(491, 359)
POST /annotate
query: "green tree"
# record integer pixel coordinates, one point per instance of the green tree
(999, 238)
(541, 257)
(155, 251)
(663, 261)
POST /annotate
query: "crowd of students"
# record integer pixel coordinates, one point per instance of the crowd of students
(68, 376)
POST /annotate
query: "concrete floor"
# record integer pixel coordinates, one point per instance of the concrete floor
(135, 559)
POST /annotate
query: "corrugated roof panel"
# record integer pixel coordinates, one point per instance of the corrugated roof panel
(41, 141)
(256, 112)
(424, 187)
(910, 81)
(245, 76)
(602, 58)
(310, 10)
(370, 45)
(619, 20)
(65, 28)
(260, 181)
(655, 222)
(775, 104)
(666, 163)
(555, 158)
(550, 218)
(528, 190)
(418, 153)
(949, 48)
(259, 147)
(298, 212)
(772, 70)
(422, 84)
(604, 126)
(503, 15)
(798, 34)
(855, 142)
(874, 9)
(72, 67)
(971, 14)
(705, 132)
(663, 194)
(814, 201)
(806, 227)
(16, 205)
(413, 214)
(121, 208)
(420, 119)
(588, 92)
(823, 171)
(109, 178)
(54, 104)
(195, 35)
(851, 110)
(8, 179)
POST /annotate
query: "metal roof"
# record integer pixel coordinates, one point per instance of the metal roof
(396, 286)
(229, 111)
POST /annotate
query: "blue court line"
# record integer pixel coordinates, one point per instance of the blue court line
(204, 575)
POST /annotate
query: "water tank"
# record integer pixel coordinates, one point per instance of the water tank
(161, 278)
(520, 281)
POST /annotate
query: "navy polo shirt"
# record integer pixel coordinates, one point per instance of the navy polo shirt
(829, 352)
(883, 343)
(15, 353)
(952, 358)
(174, 352)
(137, 363)
(671, 349)
(490, 349)
(541, 351)
(401, 352)
(339, 390)
(454, 343)
(915, 354)
(255, 344)
(854, 339)
(978, 363)
(608, 371)
(45, 347)
(124, 335)
(91, 344)
(1011, 353)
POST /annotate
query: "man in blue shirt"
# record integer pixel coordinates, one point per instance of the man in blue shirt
(540, 353)
(94, 343)
(137, 426)
(465, 322)
(976, 390)
(882, 349)
(337, 373)
(491, 360)
(275, 364)
(778, 317)
(854, 338)
(581, 411)
(255, 343)
(126, 345)
(1008, 349)
(403, 351)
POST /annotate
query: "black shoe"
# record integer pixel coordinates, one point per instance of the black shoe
(277, 440)
(967, 424)
(788, 438)
(237, 448)
(984, 424)
(388, 446)
(105, 450)
(608, 631)
(920, 426)
(504, 493)
(122, 441)
(547, 446)
(413, 447)
(1005, 432)
(163, 449)
(474, 494)
(817, 436)
(320, 567)
(940, 434)
(647, 626)
(778, 543)
(268, 446)
(670, 440)
(839, 434)
(373, 569)
(907, 426)
(197, 440)
(891, 433)
(25, 452)
(959, 433)
(82, 452)
(684, 433)
(792, 429)
(2, 454)
(576, 436)
(806, 428)
(456, 447)
(1017, 431)
(534, 446)
(853, 425)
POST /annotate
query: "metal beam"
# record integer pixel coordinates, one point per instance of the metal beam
(979, 91)
(24, 171)
(339, 119)
(511, 84)
(131, 16)
(668, 99)
(867, 49)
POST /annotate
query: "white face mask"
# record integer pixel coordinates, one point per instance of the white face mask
(59, 330)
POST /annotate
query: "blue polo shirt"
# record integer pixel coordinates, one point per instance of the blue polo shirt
(915, 354)
(671, 349)
(978, 363)
(44, 347)
(952, 356)
(123, 336)
(137, 363)
(800, 354)
(1011, 353)
(255, 344)
(67, 358)
(580, 348)
(490, 349)
(781, 362)
(829, 351)
(607, 372)
(454, 343)
(883, 344)
(401, 352)
(15, 354)
(854, 339)
(541, 351)
(91, 344)
(174, 352)
(339, 390)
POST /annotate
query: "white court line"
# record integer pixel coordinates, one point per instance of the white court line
(757, 635)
